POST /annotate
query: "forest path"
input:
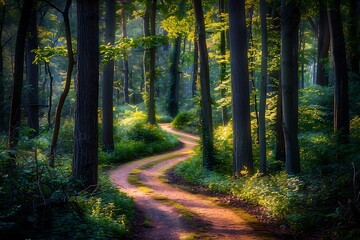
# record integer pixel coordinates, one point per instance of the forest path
(172, 213)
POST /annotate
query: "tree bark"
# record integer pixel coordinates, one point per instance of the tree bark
(290, 18)
(206, 114)
(85, 158)
(242, 151)
(15, 110)
(32, 75)
(151, 104)
(125, 60)
(2, 83)
(263, 89)
(108, 80)
(224, 111)
(195, 67)
(173, 102)
(322, 77)
(341, 89)
(64, 94)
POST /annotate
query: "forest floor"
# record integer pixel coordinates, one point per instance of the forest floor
(168, 211)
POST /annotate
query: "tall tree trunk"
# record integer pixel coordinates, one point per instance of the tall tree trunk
(64, 94)
(341, 91)
(85, 158)
(15, 110)
(108, 80)
(275, 80)
(125, 60)
(195, 66)
(263, 90)
(206, 114)
(146, 59)
(323, 45)
(32, 75)
(2, 83)
(354, 55)
(242, 153)
(173, 99)
(290, 18)
(224, 111)
(47, 66)
(151, 104)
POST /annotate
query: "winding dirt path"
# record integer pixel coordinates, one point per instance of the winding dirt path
(172, 213)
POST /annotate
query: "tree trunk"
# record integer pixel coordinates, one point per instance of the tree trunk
(263, 90)
(2, 83)
(354, 55)
(146, 60)
(108, 80)
(242, 152)
(32, 75)
(64, 94)
(290, 18)
(195, 66)
(47, 66)
(341, 95)
(15, 110)
(125, 60)
(206, 114)
(173, 102)
(224, 111)
(85, 158)
(322, 78)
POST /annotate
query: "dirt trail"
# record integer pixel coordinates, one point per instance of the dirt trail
(172, 213)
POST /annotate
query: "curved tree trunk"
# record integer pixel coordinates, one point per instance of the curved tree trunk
(108, 80)
(85, 158)
(64, 94)
(15, 110)
(242, 151)
(206, 114)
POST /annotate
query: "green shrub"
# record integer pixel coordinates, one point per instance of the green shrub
(185, 121)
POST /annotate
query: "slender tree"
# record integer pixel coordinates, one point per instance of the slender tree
(85, 158)
(108, 80)
(173, 99)
(64, 94)
(263, 89)
(151, 103)
(242, 150)
(224, 110)
(32, 74)
(341, 89)
(323, 45)
(290, 18)
(125, 60)
(206, 114)
(2, 84)
(15, 110)
(195, 67)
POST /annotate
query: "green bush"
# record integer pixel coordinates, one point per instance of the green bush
(185, 121)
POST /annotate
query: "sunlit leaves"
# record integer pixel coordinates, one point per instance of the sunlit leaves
(176, 26)
(46, 53)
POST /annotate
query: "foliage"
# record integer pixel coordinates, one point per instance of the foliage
(135, 138)
(185, 121)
